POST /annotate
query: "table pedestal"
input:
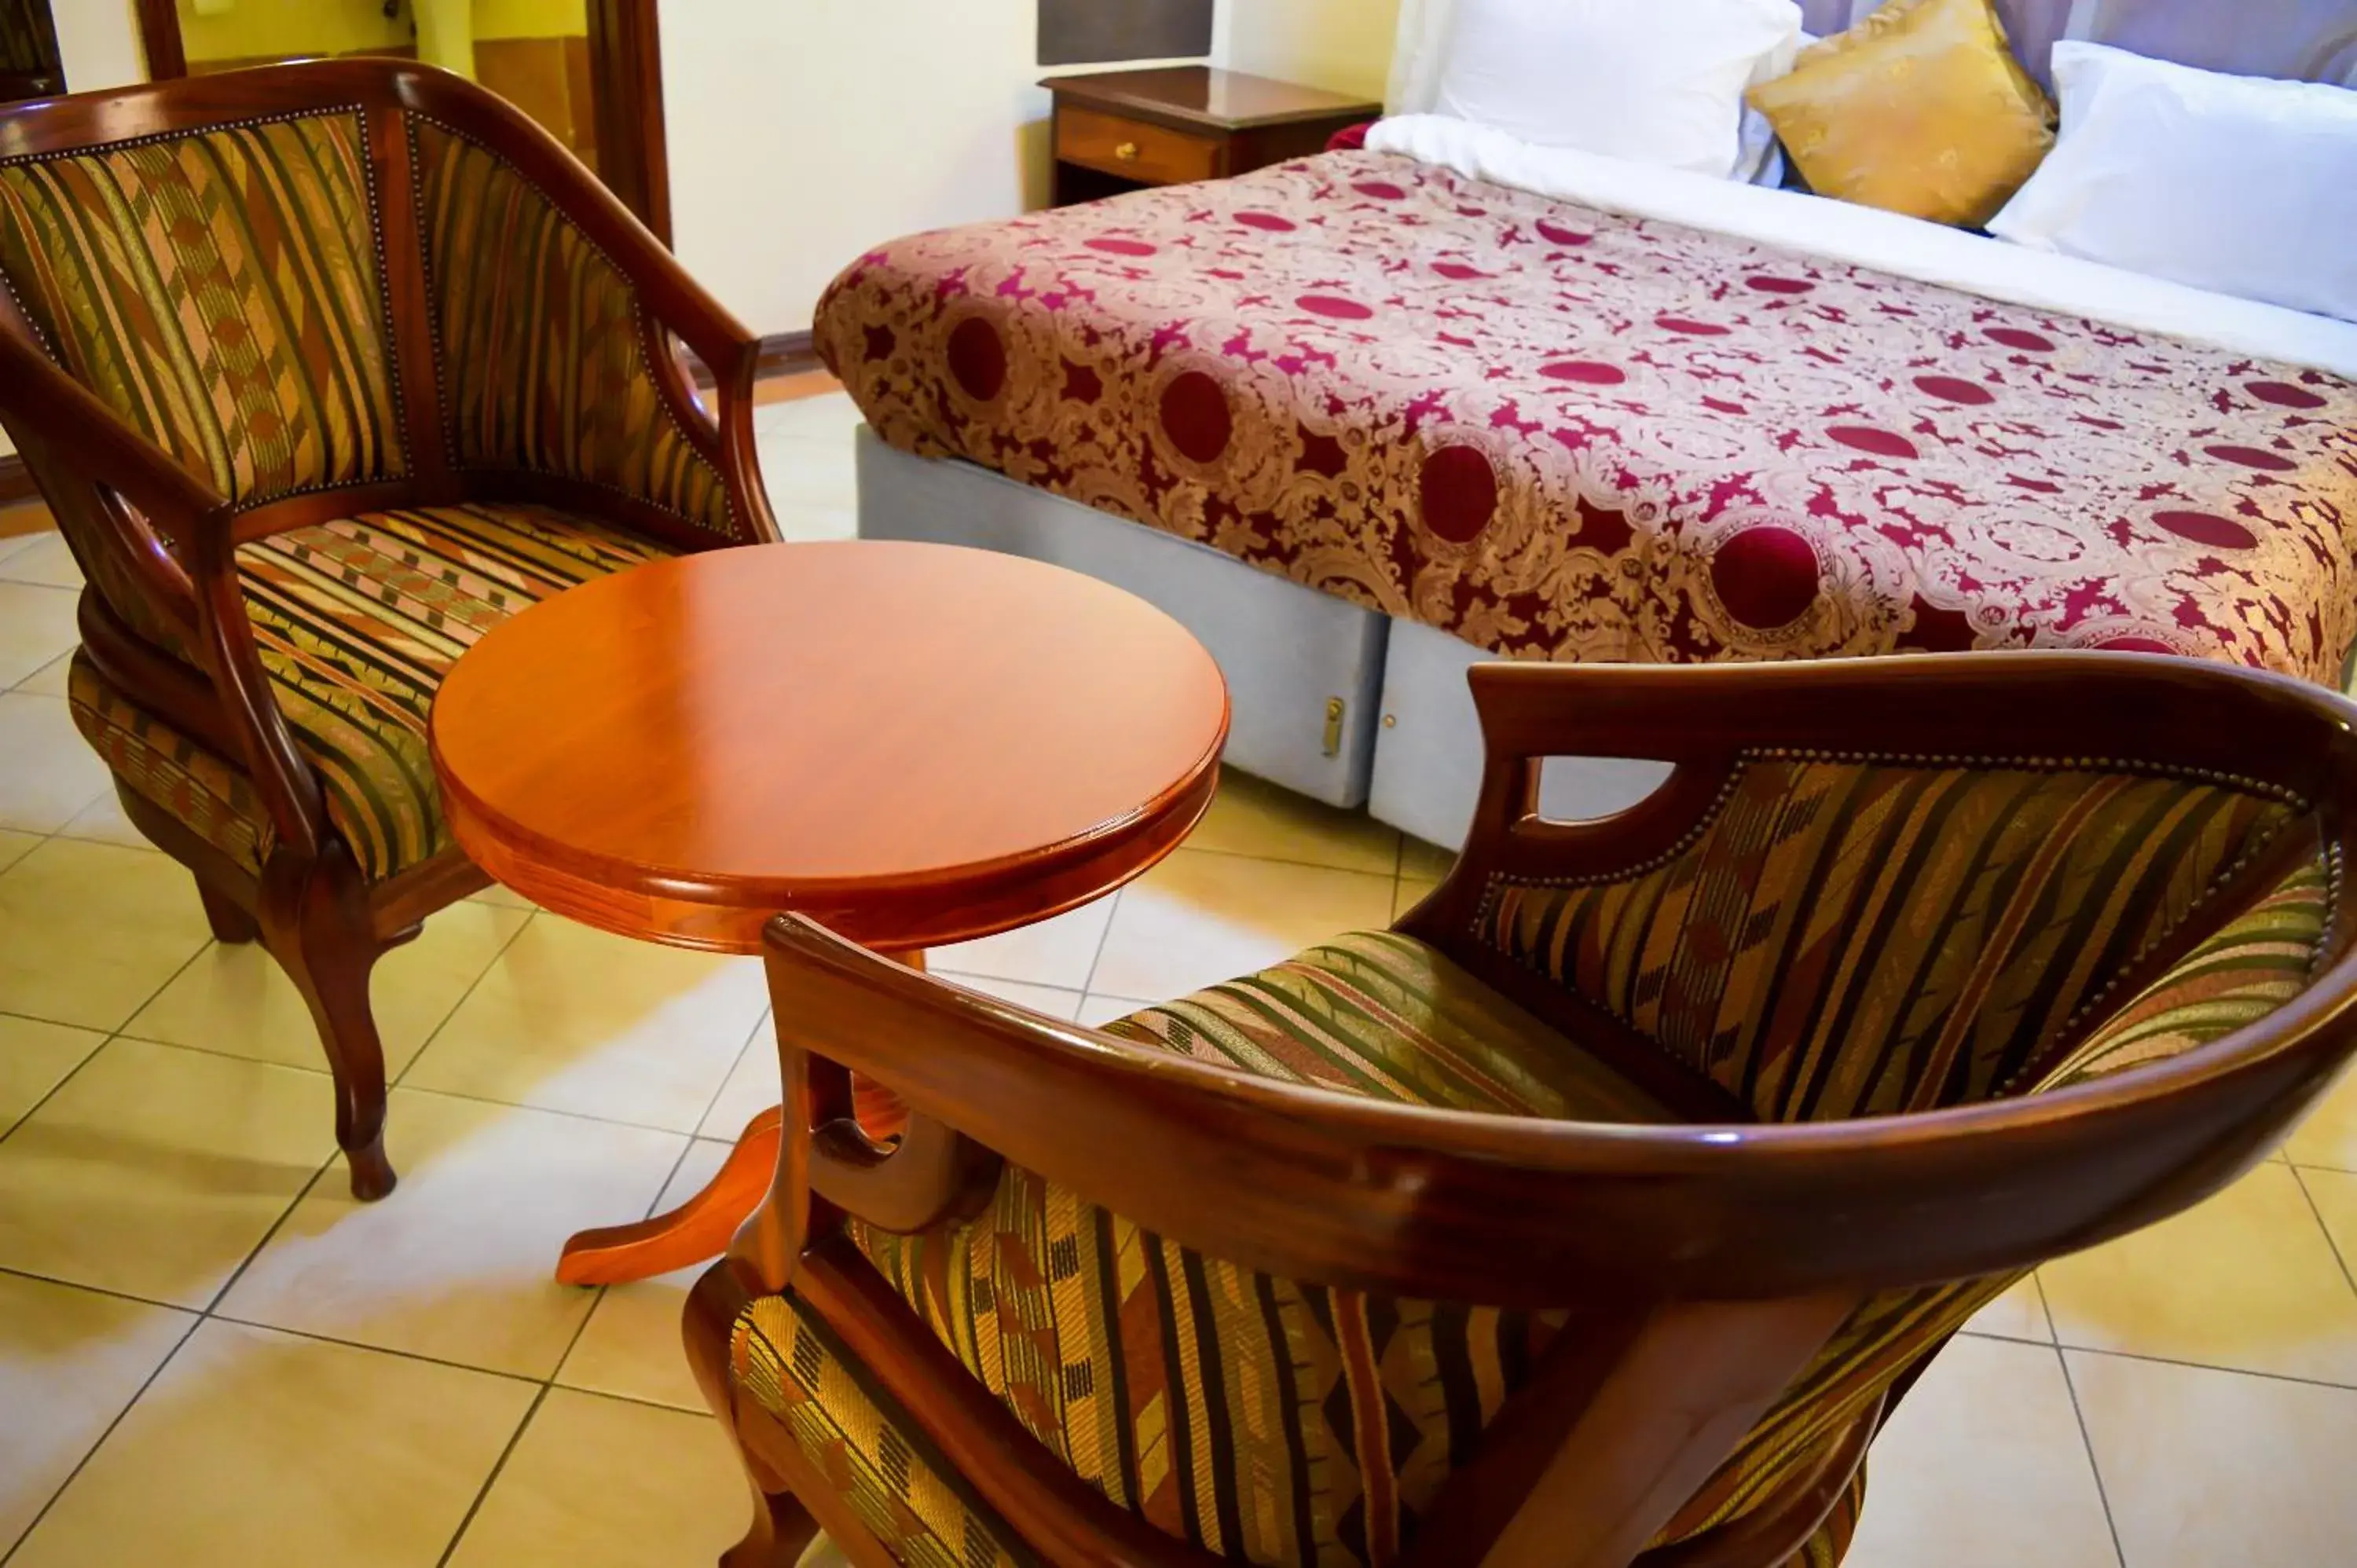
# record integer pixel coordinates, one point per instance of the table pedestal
(701, 1228)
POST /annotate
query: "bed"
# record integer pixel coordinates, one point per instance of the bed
(1381, 414)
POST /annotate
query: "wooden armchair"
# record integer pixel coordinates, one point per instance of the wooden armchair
(1597, 1213)
(324, 370)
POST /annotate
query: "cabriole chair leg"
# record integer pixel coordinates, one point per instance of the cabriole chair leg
(330, 967)
(783, 1531)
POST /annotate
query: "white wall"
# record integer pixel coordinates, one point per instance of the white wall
(1343, 45)
(99, 41)
(802, 131)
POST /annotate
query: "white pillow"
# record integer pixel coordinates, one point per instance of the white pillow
(1656, 82)
(2235, 184)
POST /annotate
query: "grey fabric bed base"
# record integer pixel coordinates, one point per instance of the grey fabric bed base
(1337, 702)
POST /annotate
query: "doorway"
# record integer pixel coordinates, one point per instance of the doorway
(587, 70)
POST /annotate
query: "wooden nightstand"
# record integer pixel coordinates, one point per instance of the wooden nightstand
(1124, 130)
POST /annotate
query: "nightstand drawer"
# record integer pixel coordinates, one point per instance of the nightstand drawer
(1151, 154)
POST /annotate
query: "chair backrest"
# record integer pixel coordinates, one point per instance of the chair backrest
(222, 291)
(330, 287)
(1866, 936)
(2064, 948)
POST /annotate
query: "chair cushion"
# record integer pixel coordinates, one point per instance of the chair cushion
(1378, 1014)
(865, 1443)
(357, 621)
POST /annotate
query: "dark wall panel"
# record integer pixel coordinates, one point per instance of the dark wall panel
(1093, 32)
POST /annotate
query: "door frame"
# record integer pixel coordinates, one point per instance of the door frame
(626, 74)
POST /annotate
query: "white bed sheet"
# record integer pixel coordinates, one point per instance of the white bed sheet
(1868, 237)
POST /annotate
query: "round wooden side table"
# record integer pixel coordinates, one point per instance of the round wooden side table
(914, 744)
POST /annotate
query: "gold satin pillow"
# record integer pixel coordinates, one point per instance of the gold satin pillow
(1919, 109)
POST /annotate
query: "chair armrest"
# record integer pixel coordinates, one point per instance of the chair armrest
(100, 450)
(1309, 1183)
(68, 417)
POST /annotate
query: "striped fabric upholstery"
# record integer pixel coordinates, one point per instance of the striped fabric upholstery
(1263, 1420)
(1384, 1016)
(220, 291)
(543, 362)
(2256, 962)
(201, 789)
(1852, 939)
(866, 1446)
(356, 622)
(1267, 1420)
(2251, 966)
(1281, 1423)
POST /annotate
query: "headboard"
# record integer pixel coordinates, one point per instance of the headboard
(2315, 40)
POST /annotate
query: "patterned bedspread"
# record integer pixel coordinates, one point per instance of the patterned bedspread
(1558, 432)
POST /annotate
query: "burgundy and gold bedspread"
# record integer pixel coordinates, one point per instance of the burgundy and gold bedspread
(1556, 432)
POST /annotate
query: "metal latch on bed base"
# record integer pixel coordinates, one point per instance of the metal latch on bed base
(1335, 708)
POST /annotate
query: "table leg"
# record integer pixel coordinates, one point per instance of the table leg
(701, 1228)
(694, 1232)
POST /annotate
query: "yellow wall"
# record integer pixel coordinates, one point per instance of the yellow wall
(255, 29)
(532, 18)
(1344, 45)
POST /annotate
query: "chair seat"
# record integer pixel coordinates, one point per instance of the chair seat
(1378, 1014)
(357, 621)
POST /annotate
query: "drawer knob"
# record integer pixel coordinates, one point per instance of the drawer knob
(1128, 152)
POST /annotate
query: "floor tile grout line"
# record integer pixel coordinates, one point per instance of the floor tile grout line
(322, 1072)
(482, 1493)
(1287, 860)
(2005, 1338)
(15, 1271)
(54, 1090)
(753, 1038)
(312, 1335)
(2329, 1239)
(1096, 959)
(401, 1079)
(2094, 1464)
(2291, 1378)
(222, 1294)
(112, 1036)
(186, 1333)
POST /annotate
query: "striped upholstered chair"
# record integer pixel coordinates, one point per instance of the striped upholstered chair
(326, 370)
(1598, 1213)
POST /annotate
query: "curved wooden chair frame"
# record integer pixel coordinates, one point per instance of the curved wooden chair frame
(170, 541)
(1705, 1263)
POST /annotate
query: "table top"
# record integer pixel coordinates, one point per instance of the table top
(1201, 95)
(914, 744)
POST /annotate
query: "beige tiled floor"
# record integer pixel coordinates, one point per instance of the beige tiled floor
(210, 1354)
